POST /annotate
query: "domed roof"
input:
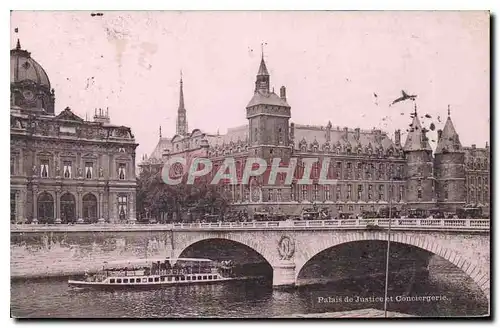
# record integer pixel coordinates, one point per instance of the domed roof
(25, 68)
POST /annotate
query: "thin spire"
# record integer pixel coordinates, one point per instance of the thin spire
(18, 45)
(262, 67)
(415, 108)
(181, 94)
(160, 131)
(449, 111)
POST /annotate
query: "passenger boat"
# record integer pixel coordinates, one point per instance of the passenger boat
(157, 273)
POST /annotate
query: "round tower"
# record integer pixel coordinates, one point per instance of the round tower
(449, 164)
(419, 168)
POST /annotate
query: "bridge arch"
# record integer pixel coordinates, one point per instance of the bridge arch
(236, 238)
(480, 275)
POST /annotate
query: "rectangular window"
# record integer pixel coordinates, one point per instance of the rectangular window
(119, 281)
(304, 192)
(125, 281)
(349, 190)
(67, 169)
(121, 171)
(327, 192)
(360, 192)
(316, 192)
(13, 207)
(44, 168)
(278, 195)
(183, 278)
(188, 277)
(89, 170)
(12, 166)
(340, 208)
(338, 193)
(111, 281)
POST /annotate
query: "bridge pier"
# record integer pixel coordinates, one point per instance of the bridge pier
(283, 274)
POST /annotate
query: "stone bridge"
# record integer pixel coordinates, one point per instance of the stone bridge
(287, 246)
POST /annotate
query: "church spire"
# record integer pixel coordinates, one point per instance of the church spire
(181, 95)
(18, 45)
(181, 112)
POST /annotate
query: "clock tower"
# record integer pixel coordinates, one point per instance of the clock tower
(268, 115)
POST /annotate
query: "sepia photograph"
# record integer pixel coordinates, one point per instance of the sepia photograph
(250, 164)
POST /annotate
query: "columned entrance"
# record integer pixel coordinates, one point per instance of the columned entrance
(68, 208)
(90, 208)
(45, 208)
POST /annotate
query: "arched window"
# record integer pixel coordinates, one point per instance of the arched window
(68, 206)
(45, 209)
(122, 207)
(89, 202)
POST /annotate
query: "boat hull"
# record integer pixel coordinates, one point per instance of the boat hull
(77, 284)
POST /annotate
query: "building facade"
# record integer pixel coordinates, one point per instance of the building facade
(372, 171)
(64, 169)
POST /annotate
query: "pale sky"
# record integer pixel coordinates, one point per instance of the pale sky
(332, 63)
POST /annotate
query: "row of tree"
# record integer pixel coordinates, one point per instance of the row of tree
(158, 201)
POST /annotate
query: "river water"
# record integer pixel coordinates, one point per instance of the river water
(53, 298)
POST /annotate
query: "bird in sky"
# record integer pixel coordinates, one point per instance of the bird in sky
(404, 97)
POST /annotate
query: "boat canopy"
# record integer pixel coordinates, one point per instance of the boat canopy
(135, 263)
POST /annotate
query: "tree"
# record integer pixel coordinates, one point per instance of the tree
(157, 199)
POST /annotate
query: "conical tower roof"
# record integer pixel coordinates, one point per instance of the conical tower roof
(262, 68)
(449, 141)
(416, 139)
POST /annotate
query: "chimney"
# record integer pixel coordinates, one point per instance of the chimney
(397, 137)
(473, 146)
(487, 146)
(345, 135)
(283, 92)
(440, 132)
(356, 133)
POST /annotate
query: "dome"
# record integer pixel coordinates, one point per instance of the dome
(25, 68)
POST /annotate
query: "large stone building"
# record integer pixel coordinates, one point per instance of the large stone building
(369, 166)
(63, 168)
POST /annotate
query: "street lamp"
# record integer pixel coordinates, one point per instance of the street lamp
(388, 245)
(391, 193)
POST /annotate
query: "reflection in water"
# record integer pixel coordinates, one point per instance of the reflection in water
(53, 298)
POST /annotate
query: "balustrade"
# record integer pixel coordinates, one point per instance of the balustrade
(396, 223)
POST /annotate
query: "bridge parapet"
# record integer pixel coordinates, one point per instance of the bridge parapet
(396, 224)
(479, 225)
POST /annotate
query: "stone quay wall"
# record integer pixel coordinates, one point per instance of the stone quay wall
(59, 252)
